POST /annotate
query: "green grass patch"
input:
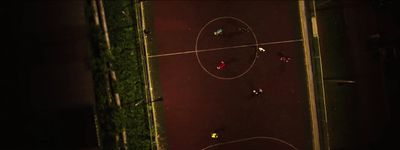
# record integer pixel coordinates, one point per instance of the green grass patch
(126, 62)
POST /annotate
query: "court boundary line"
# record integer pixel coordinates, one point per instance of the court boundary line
(310, 79)
(324, 129)
(150, 82)
(224, 48)
(251, 138)
(305, 41)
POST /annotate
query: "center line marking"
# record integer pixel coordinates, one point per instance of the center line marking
(223, 48)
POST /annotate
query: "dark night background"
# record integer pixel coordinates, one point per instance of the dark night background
(47, 91)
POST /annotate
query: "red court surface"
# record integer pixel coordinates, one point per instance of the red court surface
(199, 99)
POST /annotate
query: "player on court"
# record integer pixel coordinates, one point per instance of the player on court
(221, 65)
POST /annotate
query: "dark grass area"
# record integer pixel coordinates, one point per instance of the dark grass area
(126, 61)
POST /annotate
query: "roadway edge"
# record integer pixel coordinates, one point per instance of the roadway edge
(309, 73)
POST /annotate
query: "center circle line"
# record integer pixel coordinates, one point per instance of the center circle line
(205, 69)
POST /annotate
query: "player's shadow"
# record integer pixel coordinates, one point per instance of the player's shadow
(252, 100)
(229, 69)
(233, 61)
(282, 64)
(230, 32)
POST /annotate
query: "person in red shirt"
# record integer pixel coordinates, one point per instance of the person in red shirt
(221, 65)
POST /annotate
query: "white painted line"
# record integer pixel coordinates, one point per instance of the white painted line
(314, 26)
(154, 111)
(252, 138)
(224, 48)
(309, 72)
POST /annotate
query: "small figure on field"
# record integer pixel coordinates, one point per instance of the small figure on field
(218, 32)
(221, 65)
(257, 91)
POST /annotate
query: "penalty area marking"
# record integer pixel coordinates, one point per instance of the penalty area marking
(252, 138)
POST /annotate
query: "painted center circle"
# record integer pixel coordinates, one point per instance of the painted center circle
(230, 40)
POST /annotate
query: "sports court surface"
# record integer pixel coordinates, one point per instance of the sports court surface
(198, 99)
